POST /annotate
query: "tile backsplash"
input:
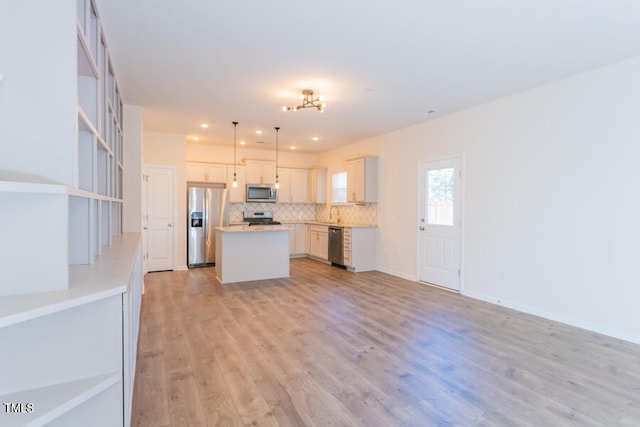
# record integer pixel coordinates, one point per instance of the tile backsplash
(281, 211)
(365, 214)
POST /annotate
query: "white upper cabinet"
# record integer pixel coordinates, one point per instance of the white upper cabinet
(206, 172)
(294, 185)
(236, 194)
(299, 185)
(362, 180)
(318, 185)
(261, 171)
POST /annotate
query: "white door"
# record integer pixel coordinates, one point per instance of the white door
(440, 237)
(160, 217)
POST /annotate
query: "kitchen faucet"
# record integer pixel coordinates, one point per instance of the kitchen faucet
(337, 215)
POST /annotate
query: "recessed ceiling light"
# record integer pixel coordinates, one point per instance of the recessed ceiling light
(196, 138)
(259, 132)
(292, 148)
(315, 138)
(204, 125)
(242, 142)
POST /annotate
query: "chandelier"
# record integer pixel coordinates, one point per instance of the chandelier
(308, 101)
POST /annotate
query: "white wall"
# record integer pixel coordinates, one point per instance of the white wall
(551, 207)
(169, 150)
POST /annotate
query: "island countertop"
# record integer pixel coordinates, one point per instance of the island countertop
(252, 228)
(305, 221)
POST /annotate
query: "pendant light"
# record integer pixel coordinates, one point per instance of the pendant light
(277, 183)
(235, 149)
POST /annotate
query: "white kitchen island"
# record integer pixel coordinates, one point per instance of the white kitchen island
(245, 253)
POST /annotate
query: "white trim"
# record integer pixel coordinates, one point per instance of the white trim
(181, 268)
(589, 326)
(567, 320)
(409, 277)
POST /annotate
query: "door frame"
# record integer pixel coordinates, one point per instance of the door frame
(145, 213)
(421, 186)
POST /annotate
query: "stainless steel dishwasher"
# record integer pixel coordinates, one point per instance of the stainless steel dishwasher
(336, 246)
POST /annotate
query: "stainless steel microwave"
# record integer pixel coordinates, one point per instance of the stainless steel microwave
(261, 193)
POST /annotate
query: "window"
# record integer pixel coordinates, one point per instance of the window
(339, 187)
(440, 185)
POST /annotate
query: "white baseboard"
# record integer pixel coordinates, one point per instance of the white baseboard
(181, 268)
(397, 274)
(567, 320)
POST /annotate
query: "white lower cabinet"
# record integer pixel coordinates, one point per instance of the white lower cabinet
(297, 240)
(359, 245)
(301, 240)
(72, 353)
(360, 248)
(318, 244)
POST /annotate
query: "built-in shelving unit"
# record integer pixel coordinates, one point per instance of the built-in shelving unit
(99, 145)
(72, 280)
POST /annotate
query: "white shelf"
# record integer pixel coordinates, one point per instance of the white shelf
(108, 276)
(90, 195)
(86, 63)
(53, 401)
(18, 182)
(85, 121)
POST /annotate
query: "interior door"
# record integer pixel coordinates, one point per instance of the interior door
(440, 236)
(160, 217)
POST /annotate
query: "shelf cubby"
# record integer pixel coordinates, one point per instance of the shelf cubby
(80, 231)
(105, 218)
(86, 150)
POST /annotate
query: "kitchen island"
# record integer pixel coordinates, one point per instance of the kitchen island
(245, 253)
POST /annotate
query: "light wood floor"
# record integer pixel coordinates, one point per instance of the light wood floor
(328, 347)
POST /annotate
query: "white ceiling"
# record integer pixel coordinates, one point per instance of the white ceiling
(380, 65)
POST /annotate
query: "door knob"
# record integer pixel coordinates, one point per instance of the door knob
(144, 228)
(170, 225)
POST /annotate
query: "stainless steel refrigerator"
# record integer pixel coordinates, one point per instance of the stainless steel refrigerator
(208, 208)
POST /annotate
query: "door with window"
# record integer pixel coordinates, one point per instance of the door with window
(440, 231)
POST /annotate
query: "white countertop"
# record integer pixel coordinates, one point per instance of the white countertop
(305, 221)
(253, 228)
(107, 276)
(331, 224)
